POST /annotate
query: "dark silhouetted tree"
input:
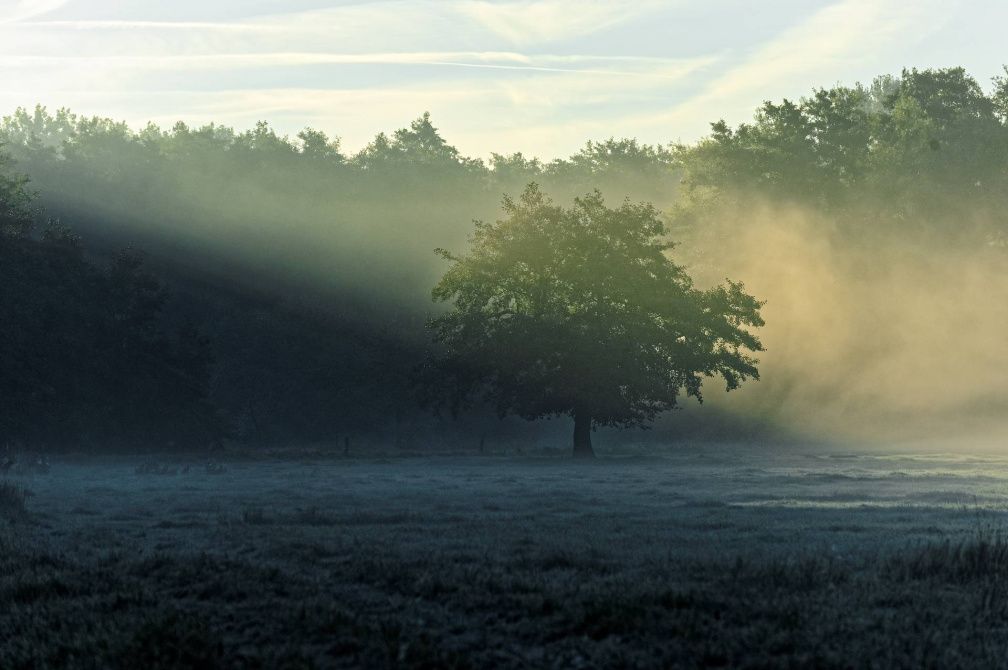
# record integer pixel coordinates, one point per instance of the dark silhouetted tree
(580, 312)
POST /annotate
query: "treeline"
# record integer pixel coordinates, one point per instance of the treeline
(298, 274)
(923, 155)
(307, 269)
(298, 212)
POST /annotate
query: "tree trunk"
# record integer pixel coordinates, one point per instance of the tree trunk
(582, 436)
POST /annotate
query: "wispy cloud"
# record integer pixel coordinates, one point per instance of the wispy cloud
(840, 38)
(540, 76)
(21, 10)
(521, 23)
(851, 31)
(469, 116)
(549, 114)
(662, 68)
(536, 21)
(112, 25)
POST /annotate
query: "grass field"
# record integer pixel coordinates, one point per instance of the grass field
(720, 559)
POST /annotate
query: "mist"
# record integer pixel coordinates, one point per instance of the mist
(876, 340)
(868, 219)
(307, 269)
(295, 214)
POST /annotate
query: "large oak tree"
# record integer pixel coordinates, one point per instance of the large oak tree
(581, 312)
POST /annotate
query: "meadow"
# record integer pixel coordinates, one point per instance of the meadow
(715, 558)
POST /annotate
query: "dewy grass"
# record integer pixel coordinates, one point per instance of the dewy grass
(456, 563)
(255, 515)
(13, 497)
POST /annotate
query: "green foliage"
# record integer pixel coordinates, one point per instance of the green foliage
(17, 216)
(418, 145)
(580, 311)
(1000, 96)
(910, 153)
(623, 167)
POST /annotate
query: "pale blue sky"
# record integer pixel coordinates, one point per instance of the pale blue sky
(537, 76)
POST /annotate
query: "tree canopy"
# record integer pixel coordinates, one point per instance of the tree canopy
(581, 312)
(908, 154)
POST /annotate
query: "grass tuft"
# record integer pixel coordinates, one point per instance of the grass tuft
(13, 498)
(984, 557)
(255, 515)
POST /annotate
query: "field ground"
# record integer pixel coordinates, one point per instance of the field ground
(687, 561)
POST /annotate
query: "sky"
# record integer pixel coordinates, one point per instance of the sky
(537, 76)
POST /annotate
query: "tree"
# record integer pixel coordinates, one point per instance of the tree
(580, 312)
(17, 215)
(316, 145)
(1001, 96)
